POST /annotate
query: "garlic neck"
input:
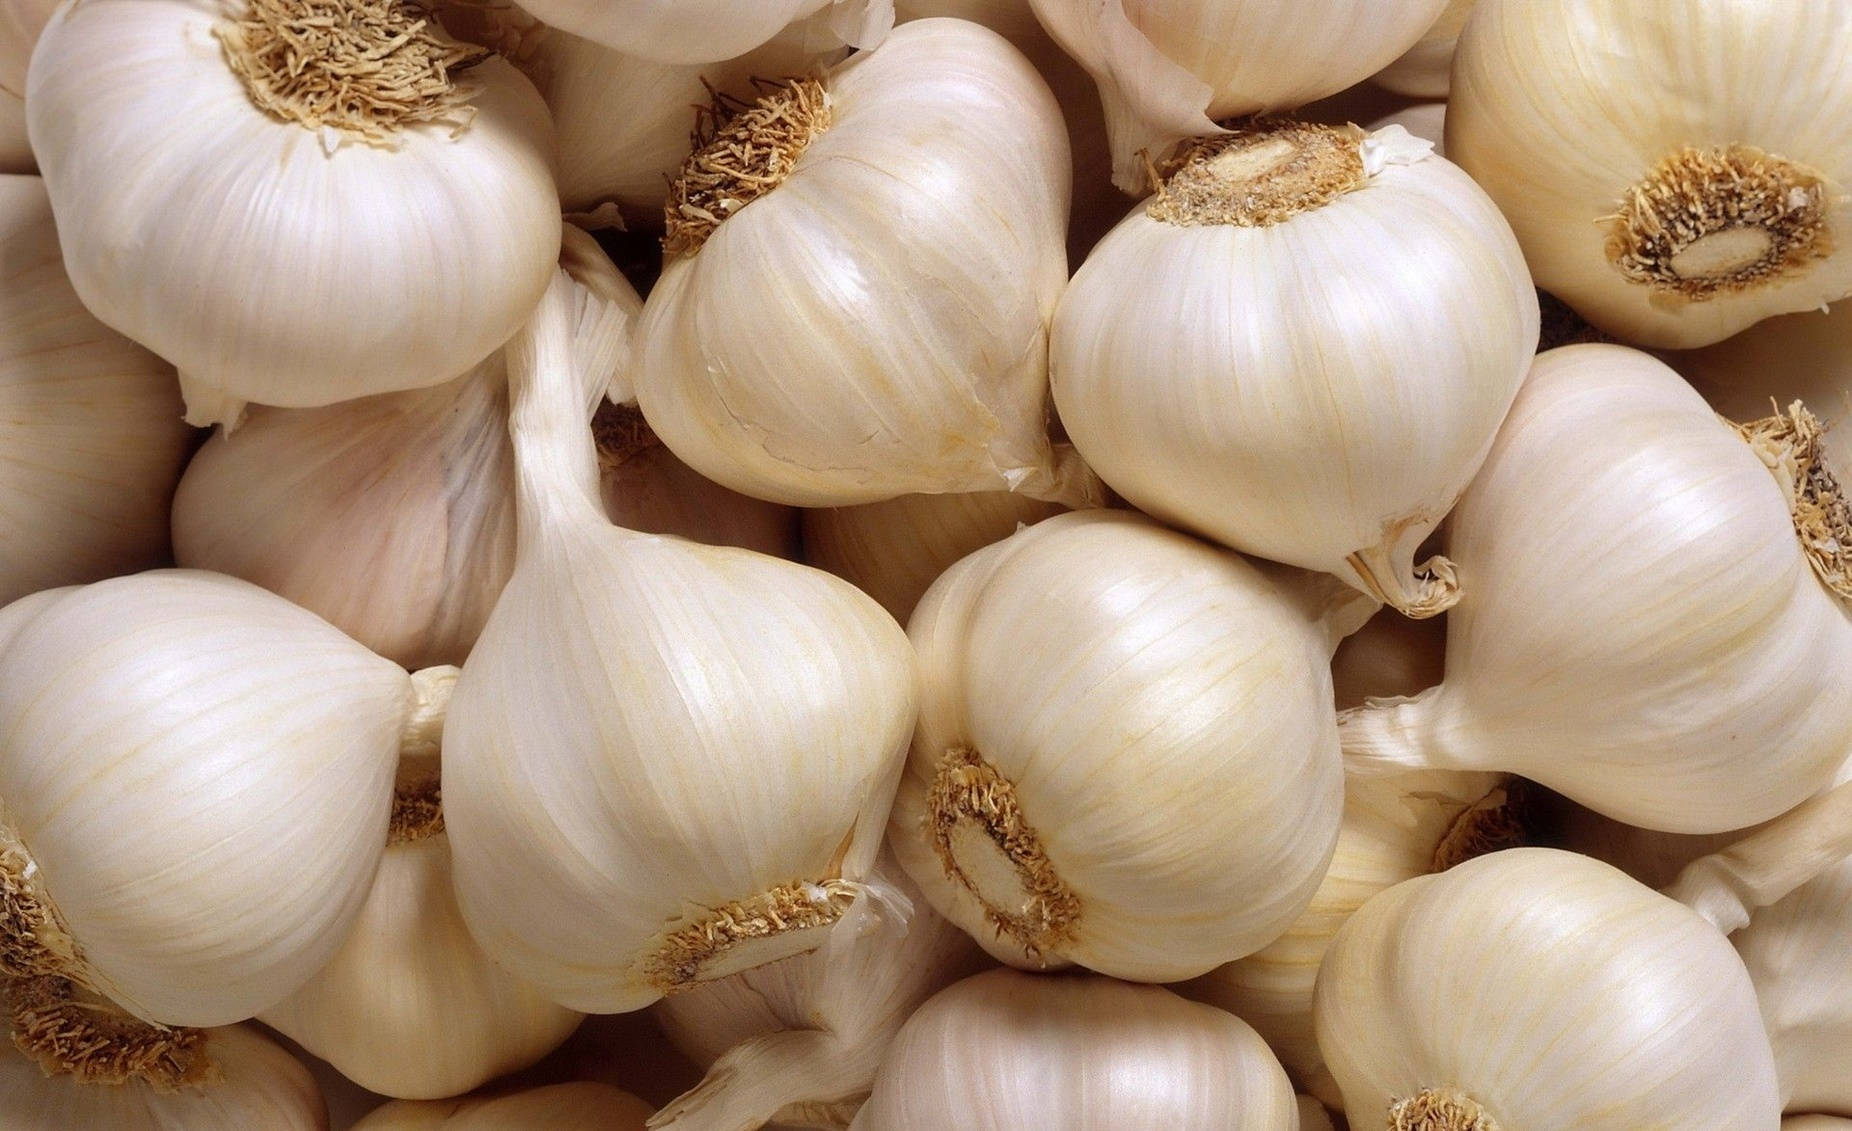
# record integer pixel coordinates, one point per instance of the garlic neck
(987, 846)
(1719, 220)
(34, 941)
(1258, 177)
(361, 70)
(1440, 1109)
(1495, 822)
(1790, 446)
(69, 1032)
(782, 922)
(742, 151)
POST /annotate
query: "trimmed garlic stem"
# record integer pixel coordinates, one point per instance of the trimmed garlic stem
(787, 920)
(741, 153)
(1439, 1109)
(1765, 867)
(67, 1031)
(363, 69)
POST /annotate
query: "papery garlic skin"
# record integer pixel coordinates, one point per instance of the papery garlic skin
(265, 266)
(706, 31)
(810, 1031)
(1678, 211)
(1171, 70)
(1006, 1051)
(1640, 630)
(91, 441)
(1107, 756)
(577, 1106)
(1541, 990)
(874, 325)
(196, 777)
(894, 550)
(1425, 120)
(664, 763)
(1795, 952)
(1283, 374)
(260, 1086)
(1424, 69)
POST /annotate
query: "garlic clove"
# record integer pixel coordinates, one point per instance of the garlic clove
(91, 441)
(306, 252)
(1006, 1051)
(1286, 351)
(1126, 765)
(865, 316)
(560, 1107)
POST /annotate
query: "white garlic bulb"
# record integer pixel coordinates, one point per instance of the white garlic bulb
(1323, 333)
(1805, 357)
(1006, 1051)
(196, 777)
(1083, 729)
(1641, 630)
(91, 440)
(1171, 69)
(577, 1106)
(20, 24)
(1542, 990)
(704, 31)
(807, 1032)
(1795, 951)
(859, 310)
(248, 1082)
(664, 763)
(1677, 211)
(410, 1006)
(1424, 69)
(894, 550)
(250, 192)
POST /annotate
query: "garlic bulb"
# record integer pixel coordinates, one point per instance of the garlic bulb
(1004, 1051)
(247, 1082)
(1541, 990)
(1425, 120)
(1677, 211)
(809, 1031)
(1321, 334)
(1805, 357)
(858, 312)
(664, 763)
(561, 1107)
(348, 201)
(1127, 766)
(894, 550)
(630, 157)
(1795, 951)
(1171, 69)
(20, 24)
(1641, 630)
(1424, 69)
(704, 31)
(196, 777)
(410, 1006)
(91, 440)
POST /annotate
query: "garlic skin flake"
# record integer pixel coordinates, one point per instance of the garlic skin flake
(873, 323)
(290, 261)
(707, 31)
(664, 763)
(804, 1036)
(578, 1106)
(1006, 1051)
(1678, 211)
(1641, 630)
(1541, 990)
(91, 440)
(1325, 332)
(196, 777)
(1127, 766)
(1168, 70)
(257, 1085)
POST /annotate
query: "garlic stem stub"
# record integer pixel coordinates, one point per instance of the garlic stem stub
(244, 1081)
(577, 1106)
(91, 440)
(1124, 758)
(1326, 329)
(1541, 990)
(349, 202)
(1171, 70)
(261, 741)
(1641, 630)
(1678, 211)
(664, 763)
(1007, 1051)
(707, 31)
(861, 269)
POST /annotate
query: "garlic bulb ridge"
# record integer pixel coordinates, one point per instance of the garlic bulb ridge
(664, 763)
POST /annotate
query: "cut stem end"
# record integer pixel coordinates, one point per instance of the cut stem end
(34, 941)
(785, 921)
(1789, 445)
(1258, 176)
(741, 152)
(1439, 1109)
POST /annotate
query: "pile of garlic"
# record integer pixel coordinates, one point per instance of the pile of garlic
(968, 565)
